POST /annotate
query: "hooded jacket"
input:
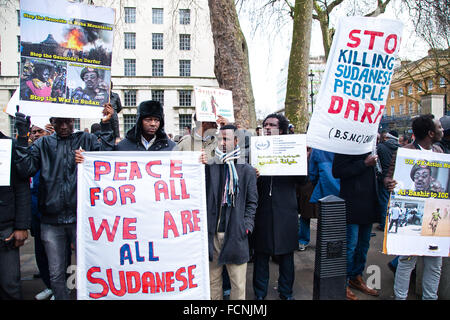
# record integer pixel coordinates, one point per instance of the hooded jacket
(385, 152)
(132, 141)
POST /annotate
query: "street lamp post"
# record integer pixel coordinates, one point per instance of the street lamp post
(311, 77)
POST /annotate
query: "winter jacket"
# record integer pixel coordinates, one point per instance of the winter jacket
(385, 152)
(15, 199)
(276, 220)
(238, 220)
(55, 158)
(358, 188)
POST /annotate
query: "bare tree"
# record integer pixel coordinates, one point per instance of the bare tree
(231, 65)
(296, 103)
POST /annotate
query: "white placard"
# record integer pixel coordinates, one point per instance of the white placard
(279, 155)
(355, 85)
(5, 161)
(213, 102)
(142, 226)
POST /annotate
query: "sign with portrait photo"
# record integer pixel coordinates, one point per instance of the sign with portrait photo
(66, 54)
(418, 222)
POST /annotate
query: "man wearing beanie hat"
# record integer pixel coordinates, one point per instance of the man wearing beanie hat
(148, 132)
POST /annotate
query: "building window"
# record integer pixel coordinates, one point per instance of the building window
(18, 43)
(157, 41)
(76, 123)
(400, 92)
(130, 67)
(185, 120)
(157, 16)
(130, 15)
(185, 16)
(157, 67)
(442, 82)
(18, 68)
(185, 42)
(410, 108)
(130, 40)
(130, 98)
(419, 87)
(129, 120)
(410, 89)
(12, 127)
(392, 94)
(392, 110)
(400, 109)
(430, 84)
(158, 95)
(185, 68)
(184, 97)
(18, 17)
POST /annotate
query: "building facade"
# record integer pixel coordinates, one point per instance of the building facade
(415, 83)
(162, 49)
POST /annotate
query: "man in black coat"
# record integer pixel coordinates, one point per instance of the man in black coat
(276, 223)
(231, 198)
(359, 190)
(54, 156)
(148, 132)
(15, 220)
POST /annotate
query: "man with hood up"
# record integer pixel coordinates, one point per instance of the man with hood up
(148, 132)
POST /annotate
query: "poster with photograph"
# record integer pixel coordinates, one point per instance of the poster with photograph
(280, 155)
(213, 102)
(418, 221)
(66, 54)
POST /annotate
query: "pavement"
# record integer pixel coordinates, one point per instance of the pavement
(377, 272)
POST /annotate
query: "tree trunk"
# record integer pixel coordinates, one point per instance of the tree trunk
(296, 104)
(231, 65)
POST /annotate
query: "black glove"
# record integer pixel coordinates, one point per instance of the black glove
(22, 124)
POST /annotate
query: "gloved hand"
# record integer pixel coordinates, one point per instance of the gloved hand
(22, 124)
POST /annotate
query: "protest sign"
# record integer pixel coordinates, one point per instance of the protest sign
(213, 102)
(280, 155)
(5, 161)
(355, 85)
(141, 226)
(419, 209)
(66, 51)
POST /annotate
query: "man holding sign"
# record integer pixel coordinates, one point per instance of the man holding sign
(54, 156)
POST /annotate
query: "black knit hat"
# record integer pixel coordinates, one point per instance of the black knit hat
(149, 108)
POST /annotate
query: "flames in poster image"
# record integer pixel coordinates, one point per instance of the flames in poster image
(75, 39)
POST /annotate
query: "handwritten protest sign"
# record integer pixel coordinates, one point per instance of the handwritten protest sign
(5, 161)
(419, 212)
(142, 229)
(66, 52)
(213, 102)
(355, 85)
(280, 155)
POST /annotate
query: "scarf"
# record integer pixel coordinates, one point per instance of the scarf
(231, 181)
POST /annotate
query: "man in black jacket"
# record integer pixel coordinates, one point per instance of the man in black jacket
(231, 197)
(148, 132)
(15, 219)
(54, 156)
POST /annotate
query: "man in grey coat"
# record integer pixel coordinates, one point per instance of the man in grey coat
(231, 199)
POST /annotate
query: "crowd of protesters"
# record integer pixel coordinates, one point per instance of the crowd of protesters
(251, 218)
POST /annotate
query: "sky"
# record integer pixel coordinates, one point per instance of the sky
(269, 52)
